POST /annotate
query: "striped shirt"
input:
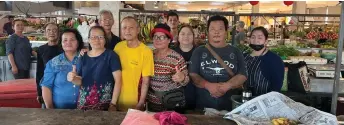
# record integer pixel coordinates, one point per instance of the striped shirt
(256, 81)
(164, 69)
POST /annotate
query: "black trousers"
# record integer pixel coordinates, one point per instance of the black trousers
(22, 74)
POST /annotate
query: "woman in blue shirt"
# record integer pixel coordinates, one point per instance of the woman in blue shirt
(57, 92)
(265, 68)
(98, 75)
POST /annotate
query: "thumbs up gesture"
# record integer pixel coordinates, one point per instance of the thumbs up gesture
(71, 75)
(179, 76)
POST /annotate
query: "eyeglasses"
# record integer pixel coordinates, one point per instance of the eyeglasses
(97, 37)
(159, 37)
(52, 30)
(106, 20)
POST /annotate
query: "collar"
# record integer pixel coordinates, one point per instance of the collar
(64, 58)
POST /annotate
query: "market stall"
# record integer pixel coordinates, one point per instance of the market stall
(11, 116)
(304, 43)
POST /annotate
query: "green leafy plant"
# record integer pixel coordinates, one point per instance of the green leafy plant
(285, 51)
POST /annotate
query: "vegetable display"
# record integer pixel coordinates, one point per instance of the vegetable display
(285, 51)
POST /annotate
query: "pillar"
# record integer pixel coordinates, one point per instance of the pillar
(256, 19)
(114, 7)
(299, 7)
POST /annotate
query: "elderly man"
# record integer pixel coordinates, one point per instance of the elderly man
(216, 84)
(240, 37)
(45, 53)
(106, 20)
(137, 66)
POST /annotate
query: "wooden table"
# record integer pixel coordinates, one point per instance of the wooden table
(33, 116)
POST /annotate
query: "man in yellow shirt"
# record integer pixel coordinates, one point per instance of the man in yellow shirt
(137, 66)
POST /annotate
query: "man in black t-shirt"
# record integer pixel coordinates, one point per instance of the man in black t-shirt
(45, 53)
(106, 20)
(215, 86)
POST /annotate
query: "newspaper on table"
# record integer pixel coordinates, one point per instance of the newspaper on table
(262, 109)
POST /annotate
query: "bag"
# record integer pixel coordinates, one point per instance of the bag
(172, 99)
(220, 60)
(298, 81)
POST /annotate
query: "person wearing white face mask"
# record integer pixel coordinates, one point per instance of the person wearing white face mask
(265, 68)
(84, 28)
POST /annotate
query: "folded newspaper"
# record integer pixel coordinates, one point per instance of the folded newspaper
(262, 109)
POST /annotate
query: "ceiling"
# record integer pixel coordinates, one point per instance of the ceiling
(264, 6)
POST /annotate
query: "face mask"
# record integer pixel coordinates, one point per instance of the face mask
(257, 47)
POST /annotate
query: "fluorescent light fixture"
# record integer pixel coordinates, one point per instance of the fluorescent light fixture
(39, 1)
(182, 2)
(182, 9)
(217, 3)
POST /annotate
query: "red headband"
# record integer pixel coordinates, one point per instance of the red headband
(161, 30)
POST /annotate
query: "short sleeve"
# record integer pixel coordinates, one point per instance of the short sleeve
(242, 69)
(242, 37)
(10, 45)
(49, 76)
(148, 62)
(115, 64)
(194, 66)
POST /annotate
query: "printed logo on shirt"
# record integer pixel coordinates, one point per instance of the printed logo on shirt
(133, 62)
(217, 70)
(204, 55)
(214, 68)
(232, 55)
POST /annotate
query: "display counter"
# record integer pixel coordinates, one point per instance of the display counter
(26, 116)
(6, 72)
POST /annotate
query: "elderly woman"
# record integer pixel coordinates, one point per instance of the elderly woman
(56, 90)
(170, 74)
(98, 75)
(265, 68)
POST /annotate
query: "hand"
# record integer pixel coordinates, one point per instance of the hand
(224, 87)
(72, 75)
(179, 76)
(39, 99)
(83, 51)
(112, 107)
(140, 106)
(14, 70)
(213, 89)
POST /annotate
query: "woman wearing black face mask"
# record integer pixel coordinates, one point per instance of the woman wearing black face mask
(265, 68)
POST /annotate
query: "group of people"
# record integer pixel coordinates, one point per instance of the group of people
(116, 75)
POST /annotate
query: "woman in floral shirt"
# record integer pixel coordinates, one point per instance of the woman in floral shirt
(99, 75)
